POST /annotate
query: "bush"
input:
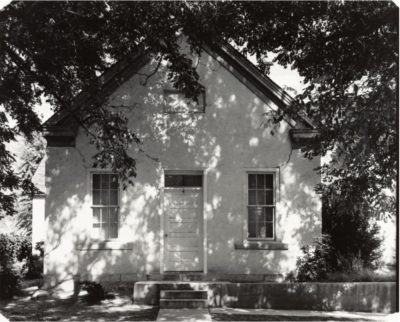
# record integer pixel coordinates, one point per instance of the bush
(34, 263)
(354, 233)
(96, 291)
(10, 246)
(314, 265)
(17, 261)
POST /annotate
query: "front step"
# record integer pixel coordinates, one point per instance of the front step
(148, 292)
(183, 295)
(179, 299)
(183, 304)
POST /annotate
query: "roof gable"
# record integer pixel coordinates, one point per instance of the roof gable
(225, 54)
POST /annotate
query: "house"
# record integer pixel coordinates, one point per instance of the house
(216, 197)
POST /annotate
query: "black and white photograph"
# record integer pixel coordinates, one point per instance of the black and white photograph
(199, 160)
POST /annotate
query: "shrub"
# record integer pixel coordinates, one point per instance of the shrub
(10, 246)
(314, 265)
(10, 282)
(351, 226)
(34, 263)
(96, 291)
(17, 261)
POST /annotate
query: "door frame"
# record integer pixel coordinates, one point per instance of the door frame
(202, 171)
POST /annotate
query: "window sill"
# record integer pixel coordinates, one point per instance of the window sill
(105, 245)
(262, 245)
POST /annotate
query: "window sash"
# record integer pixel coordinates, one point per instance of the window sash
(261, 194)
(261, 224)
(105, 206)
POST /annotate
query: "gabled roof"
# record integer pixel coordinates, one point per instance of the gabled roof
(109, 80)
(225, 54)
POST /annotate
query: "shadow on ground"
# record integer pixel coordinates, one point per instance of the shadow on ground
(23, 308)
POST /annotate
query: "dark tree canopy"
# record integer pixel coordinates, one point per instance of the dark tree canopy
(346, 51)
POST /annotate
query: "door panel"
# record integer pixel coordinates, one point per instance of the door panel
(183, 227)
(177, 214)
(183, 214)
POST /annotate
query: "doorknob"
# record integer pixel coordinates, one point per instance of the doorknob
(166, 235)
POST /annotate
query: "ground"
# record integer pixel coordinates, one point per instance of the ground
(23, 308)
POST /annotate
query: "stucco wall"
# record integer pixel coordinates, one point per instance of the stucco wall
(223, 141)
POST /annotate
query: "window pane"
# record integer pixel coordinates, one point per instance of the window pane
(105, 200)
(193, 180)
(173, 180)
(260, 181)
(252, 229)
(269, 181)
(104, 215)
(269, 197)
(269, 214)
(96, 231)
(114, 181)
(113, 231)
(252, 181)
(262, 231)
(104, 232)
(254, 213)
(96, 215)
(105, 181)
(114, 197)
(96, 197)
(260, 196)
(96, 181)
(113, 215)
(252, 197)
(270, 230)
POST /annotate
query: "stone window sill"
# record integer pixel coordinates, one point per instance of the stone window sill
(262, 245)
(106, 245)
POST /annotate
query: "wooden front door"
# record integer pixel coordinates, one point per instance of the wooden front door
(183, 211)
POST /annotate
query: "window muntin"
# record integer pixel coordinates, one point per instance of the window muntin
(105, 206)
(176, 102)
(261, 206)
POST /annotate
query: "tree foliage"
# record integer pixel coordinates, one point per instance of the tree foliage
(347, 53)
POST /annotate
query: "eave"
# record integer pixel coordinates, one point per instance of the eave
(109, 81)
(261, 85)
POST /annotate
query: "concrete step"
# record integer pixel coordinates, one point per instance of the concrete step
(183, 303)
(194, 277)
(183, 294)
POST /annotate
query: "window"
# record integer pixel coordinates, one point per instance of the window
(183, 180)
(261, 206)
(175, 102)
(105, 206)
